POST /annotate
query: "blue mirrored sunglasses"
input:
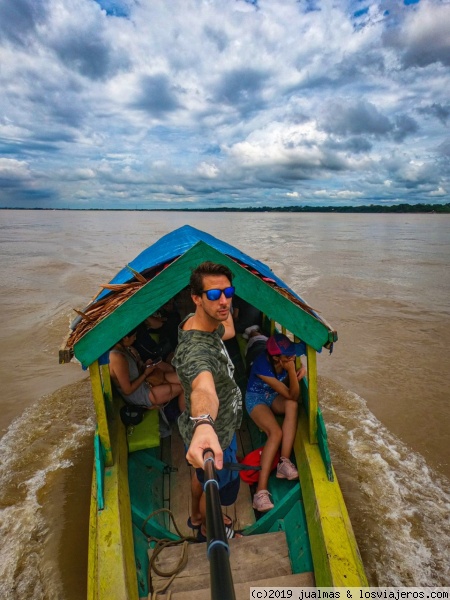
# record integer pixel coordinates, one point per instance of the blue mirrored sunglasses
(215, 294)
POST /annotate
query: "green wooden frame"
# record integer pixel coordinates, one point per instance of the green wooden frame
(150, 297)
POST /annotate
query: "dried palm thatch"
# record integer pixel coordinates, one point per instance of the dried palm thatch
(97, 311)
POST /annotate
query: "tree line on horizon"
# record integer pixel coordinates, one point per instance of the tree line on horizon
(371, 208)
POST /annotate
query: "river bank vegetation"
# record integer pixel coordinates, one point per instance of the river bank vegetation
(372, 208)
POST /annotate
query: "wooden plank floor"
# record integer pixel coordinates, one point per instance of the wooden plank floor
(241, 512)
(242, 590)
(252, 559)
(256, 561)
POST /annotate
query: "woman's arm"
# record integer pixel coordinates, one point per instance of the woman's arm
(119, 371)
(292, 391)
(278, 386)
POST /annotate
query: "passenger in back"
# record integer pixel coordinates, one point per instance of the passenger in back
(256, 345)
(273, 389)
(245, 315)
(165, 323)
(147, 346)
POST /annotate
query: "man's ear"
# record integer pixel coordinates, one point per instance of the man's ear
(197, 300)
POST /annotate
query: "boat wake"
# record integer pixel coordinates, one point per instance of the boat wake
(38, 445)
(398, 506)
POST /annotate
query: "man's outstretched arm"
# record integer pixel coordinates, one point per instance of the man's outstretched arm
(204, 401)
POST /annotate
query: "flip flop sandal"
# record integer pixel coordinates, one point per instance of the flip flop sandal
(229, 532)
(191, 525)
(200, 536)
(226, 520)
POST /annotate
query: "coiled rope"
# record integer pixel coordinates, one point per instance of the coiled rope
(160, 544)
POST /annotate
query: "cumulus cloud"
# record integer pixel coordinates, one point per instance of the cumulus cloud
(207, 170)
(425, 36)
(241, 89)
(356, 118)
(444, 148)
(12, 170)
(157, 96)
(109, 102)
(404, 126)
(440, 111)
(19, 19)
(439, 192)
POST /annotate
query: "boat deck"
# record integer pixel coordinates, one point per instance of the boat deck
(173, 452)
(255, 561)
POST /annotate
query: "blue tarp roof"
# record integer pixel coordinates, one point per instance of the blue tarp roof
(177, 243)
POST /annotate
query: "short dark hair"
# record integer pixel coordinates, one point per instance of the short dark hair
(204, 269)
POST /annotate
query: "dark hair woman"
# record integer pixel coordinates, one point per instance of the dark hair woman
(130, 375)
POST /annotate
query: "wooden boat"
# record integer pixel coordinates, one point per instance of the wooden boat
(306, 540)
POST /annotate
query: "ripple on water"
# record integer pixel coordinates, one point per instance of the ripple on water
(398, 506)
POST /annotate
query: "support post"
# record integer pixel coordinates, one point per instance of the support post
(100, 410)
(298, 364)
(312, 393)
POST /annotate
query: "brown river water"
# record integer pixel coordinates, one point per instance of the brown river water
(383, 281)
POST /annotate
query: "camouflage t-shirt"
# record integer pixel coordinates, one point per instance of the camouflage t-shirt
(199, 351)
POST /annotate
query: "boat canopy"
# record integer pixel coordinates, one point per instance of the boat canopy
(164, 269)
(177, 243)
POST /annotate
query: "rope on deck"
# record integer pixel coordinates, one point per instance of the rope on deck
(159, 547)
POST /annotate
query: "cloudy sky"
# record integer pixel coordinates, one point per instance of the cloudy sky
(201, 103)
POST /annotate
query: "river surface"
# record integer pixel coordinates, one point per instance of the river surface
(383, 281)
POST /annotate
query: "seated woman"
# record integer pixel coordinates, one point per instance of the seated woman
(130, 375)
(273, 389)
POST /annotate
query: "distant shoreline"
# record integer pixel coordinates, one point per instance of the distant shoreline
(372, 208)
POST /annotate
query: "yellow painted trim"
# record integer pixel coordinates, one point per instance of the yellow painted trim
(312, 393)
(107, 387)
(114, 575)
(100, 410)
(335, 553)
(92, 549)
